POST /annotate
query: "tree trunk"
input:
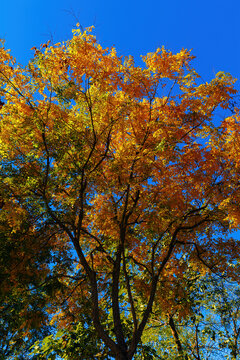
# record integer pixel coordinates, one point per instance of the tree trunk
(121, 356)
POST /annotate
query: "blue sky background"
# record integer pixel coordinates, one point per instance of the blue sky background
(211, 28)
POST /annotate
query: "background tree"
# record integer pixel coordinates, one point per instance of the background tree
(211, 329)
(127, 183)
(28, 267)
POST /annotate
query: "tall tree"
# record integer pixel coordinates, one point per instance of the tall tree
(126, 177)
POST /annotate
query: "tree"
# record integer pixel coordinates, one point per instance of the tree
(26, 285)
(209, 331)
(128, 184)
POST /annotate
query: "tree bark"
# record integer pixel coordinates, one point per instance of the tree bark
(176, 338)
(121, 356)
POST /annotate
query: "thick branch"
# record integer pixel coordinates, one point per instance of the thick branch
(176, 337)
(137, 334)
(115, 301)
(129, 293)
(96, 317)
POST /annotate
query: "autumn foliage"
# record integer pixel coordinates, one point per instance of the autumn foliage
(119, 187)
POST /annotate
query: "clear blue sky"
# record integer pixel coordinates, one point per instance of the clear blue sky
(211, 28)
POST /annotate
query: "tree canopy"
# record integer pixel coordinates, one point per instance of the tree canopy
(119, 201)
